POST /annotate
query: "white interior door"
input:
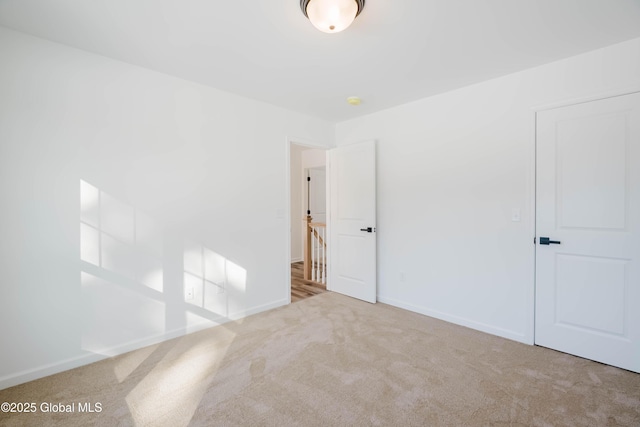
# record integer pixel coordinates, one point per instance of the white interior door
(352, 250)
(588, 200)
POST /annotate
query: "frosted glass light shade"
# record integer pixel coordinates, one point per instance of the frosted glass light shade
(332, 16)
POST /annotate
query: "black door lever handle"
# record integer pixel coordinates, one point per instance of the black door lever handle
(368, 229)
(546, 241)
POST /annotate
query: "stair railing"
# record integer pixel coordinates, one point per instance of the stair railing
(315, 253)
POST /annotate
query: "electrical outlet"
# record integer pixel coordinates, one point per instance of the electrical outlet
(402, 276)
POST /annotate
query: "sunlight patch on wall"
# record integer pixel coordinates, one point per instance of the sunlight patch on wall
(205, 278)
(118, 238)
(89, 244)
(89, 204)
(236, 276)
(121, 275)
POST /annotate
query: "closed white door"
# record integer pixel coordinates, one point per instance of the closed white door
(352, 250)
(588, 230)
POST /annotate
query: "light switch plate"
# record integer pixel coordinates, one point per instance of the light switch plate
(515, 215)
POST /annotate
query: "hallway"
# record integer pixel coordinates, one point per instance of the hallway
(300, 288)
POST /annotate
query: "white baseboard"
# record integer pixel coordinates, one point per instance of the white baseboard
(297, 259)
(92, 357)
(258, 309)
(49, 369)
(482, 327)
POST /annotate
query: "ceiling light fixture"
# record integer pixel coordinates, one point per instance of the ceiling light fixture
(331, 16)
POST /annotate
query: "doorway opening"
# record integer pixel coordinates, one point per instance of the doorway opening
(308, 226)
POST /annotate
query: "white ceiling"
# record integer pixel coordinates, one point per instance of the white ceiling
(396, 51)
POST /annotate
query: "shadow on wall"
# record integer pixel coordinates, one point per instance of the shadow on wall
(139, 284)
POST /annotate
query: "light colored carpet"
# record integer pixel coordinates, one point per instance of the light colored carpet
(334, 361)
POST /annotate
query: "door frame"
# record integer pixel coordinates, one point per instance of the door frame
(533, 175)
(314, 145)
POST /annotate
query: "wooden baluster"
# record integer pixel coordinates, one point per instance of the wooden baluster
(318, 256)
(324, 255)
(314, 267)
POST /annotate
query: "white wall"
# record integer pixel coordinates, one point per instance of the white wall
(451, 168)
(174, 174)
(314, 158)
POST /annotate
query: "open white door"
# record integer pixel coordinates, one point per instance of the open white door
(352, 262)
(588, 227)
